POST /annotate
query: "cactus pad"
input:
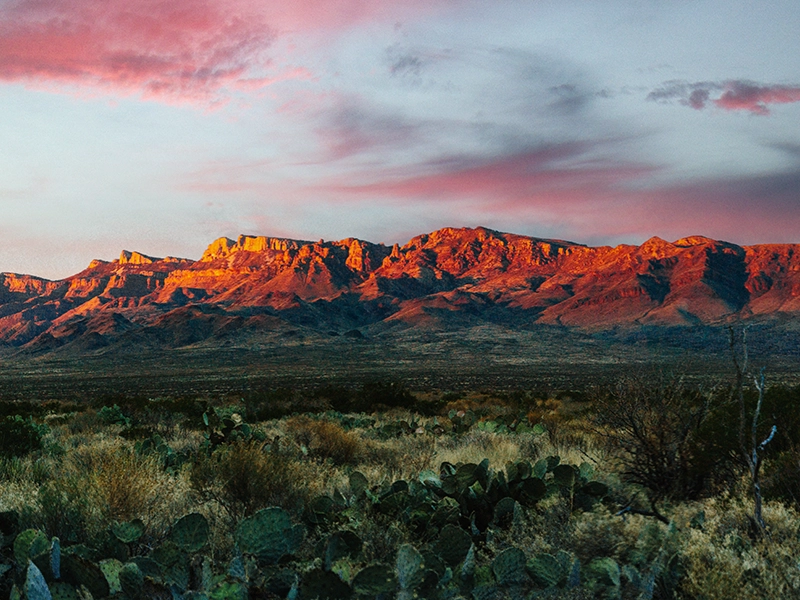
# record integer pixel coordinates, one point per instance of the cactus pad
(30, 543)
(35, 585)
(79, 571)
(268, 535)
(63, 591)
(374, 580)
(190, 533)
(129, 531)
(452, 545)
(130, 580)
(509, 567)
(565, 476)
(111, 568)
(358, 484)
(340, 545)
(228, 590)
(605, 571)
(409, 567)
(530, 491)
(547, 571)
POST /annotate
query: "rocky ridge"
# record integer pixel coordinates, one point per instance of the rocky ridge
(448, 278)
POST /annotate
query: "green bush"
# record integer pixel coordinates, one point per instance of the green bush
(113, 415)
(20, 436)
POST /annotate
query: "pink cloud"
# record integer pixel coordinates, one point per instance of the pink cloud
(740, 95)
(521, 178)
(187, 50)
(729, 95)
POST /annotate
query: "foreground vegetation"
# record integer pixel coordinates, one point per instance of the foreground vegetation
(634, 491)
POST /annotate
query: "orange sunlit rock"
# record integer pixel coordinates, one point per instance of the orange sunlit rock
(449, 277)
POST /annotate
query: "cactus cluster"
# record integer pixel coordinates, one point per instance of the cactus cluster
(39, 569)
(225, 427)
(454, 511)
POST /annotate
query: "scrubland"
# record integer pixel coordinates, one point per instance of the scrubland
(636, 490)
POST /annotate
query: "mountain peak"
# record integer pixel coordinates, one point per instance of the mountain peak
(693, 240)
(136, 258)
(223, 247)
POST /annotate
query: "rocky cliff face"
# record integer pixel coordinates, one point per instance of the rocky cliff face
(450, 277)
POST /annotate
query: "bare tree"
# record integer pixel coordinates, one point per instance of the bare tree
(654, 426)
(750, 449)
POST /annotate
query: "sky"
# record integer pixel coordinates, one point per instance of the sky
(161, 125)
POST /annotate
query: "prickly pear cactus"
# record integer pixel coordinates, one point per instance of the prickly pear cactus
(63, 591)
(190, 533)
(228, 590)
(131, 580)
(509, 567)
(111, 568)
(268, 535)
(374, 580)
(565, 476)
(129, 531)
(452, 545)
(467, 573)
(29, 544)
(80, 571)
(174, 563)
(323, 585)
(547, 571)
(603, 573)
(358, 484)
(409, 567)
(529, 491)
(340, 545)
(55, 558)
(35, 585)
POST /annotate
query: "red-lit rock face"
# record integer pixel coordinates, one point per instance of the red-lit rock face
(450, 276)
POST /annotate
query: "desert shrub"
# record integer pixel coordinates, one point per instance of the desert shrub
(325, 439)
(782, 476)
(243, 477)
(96, 485)
(20, 436)
(781, 471)
(113, 415)
(667, 436)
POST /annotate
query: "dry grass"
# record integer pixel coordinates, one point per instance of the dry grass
(105, 481)
(724, 559)
(476, 445)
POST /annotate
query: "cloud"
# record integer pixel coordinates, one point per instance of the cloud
(349, 126)
(729, 95)
(198, 51)
(741, 95)
(526, 177)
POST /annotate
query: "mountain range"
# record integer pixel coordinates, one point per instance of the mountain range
(445, 280)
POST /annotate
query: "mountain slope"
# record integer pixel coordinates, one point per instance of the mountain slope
(441, 280)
